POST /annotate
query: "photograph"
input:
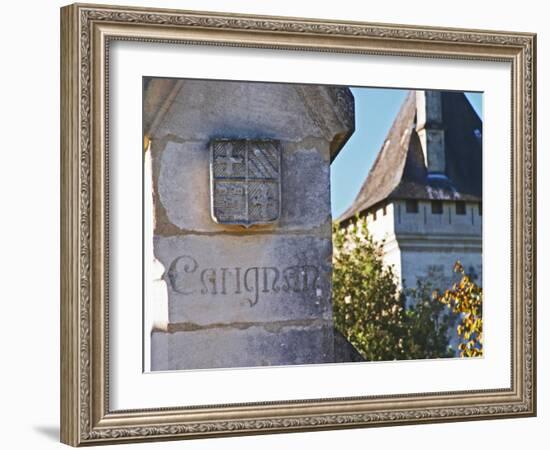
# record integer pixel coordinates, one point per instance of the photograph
(290, 224)
(279, 224)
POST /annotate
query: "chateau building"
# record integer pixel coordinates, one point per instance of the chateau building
(423, 195)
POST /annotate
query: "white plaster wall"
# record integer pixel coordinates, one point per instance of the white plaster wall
(392, 256)
(381, 225)
(423, 245)
(436, 265)
(429, 242)
(425, 223)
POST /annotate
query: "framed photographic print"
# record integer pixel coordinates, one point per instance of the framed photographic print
(275, 224)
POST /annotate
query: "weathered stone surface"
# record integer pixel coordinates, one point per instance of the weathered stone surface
(248, 281)
(245, 181)
(243, 347)
(244, 278)
(201, 110)
(305, 190)
(184, 189)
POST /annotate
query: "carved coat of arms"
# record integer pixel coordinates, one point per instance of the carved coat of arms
(245, 181)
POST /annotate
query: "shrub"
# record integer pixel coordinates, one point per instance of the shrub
(380, 321)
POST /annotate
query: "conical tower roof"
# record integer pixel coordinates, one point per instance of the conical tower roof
(400, 170)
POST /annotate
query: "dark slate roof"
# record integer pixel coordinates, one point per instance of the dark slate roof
(399, 171)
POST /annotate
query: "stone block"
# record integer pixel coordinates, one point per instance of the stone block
(243, 346)
(246, 278)
(201, 110)
(182, 182)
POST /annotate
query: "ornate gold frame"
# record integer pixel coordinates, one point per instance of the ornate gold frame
(86, 31)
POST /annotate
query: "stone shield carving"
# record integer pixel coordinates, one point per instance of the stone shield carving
(245, 181)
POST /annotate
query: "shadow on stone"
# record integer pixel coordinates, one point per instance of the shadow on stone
(344, 351)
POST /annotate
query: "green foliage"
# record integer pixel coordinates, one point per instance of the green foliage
(466, 298)
(367, 309)
(427, 323)
(381, 322)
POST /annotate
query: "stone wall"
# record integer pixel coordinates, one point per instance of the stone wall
(423, 245)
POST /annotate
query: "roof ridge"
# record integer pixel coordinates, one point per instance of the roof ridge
(403, 121)
(399, 170)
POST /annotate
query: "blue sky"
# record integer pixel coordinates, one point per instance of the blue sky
(375, 110)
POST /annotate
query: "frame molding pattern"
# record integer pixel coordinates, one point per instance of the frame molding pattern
(78, 28)
(309, 423)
